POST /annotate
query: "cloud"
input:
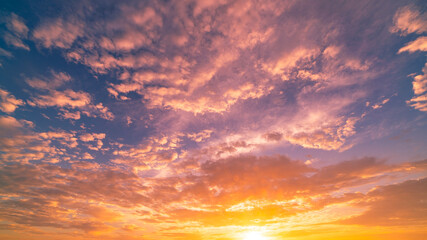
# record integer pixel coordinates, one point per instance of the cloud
(212, 65)
(266, 189)
(8, 102)
(16, 25)
(65, 99)
(217, 81)
(154, 153)
(49, 203)
(412, 21)
(200, 136)
(87, 156)
(17, 31)
(56, 79)
(70, 115)
(290, 59)
(419, 103)
(16, 143)
(350, 173)
(4, 53)
(14, 41)
(58, 33)
(8, 122)
(419, 86)
(210, 91)
(394, 205)
(419, 44)
(20, 143)
(234, 179)
(145, 26)
(242, 190)
(52, 205)
(409, 19)
(328, 137)
(381, 104)
(273, 136)
(87, 137)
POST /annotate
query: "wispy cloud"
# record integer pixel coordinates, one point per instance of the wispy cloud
(17, 32)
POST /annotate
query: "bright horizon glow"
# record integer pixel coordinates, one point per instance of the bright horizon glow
(254, 235)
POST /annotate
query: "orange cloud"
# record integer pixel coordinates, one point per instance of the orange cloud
(394, 205)
(419, 85)
(419, 44)
(8, 102)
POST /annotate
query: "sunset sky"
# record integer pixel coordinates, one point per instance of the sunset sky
(213, 119)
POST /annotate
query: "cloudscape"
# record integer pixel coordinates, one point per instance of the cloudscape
(213, 119)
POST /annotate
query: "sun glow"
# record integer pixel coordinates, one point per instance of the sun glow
(254, 235)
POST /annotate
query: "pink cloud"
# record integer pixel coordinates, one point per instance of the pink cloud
(409, 19)
(54, 81)
(15, 41)
(16, 25)
(65, 99)
(17, 32)
(58, 33)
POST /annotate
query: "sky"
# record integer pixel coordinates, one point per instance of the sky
(213, 119)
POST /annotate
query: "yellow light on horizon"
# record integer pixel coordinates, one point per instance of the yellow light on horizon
(254, 235)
